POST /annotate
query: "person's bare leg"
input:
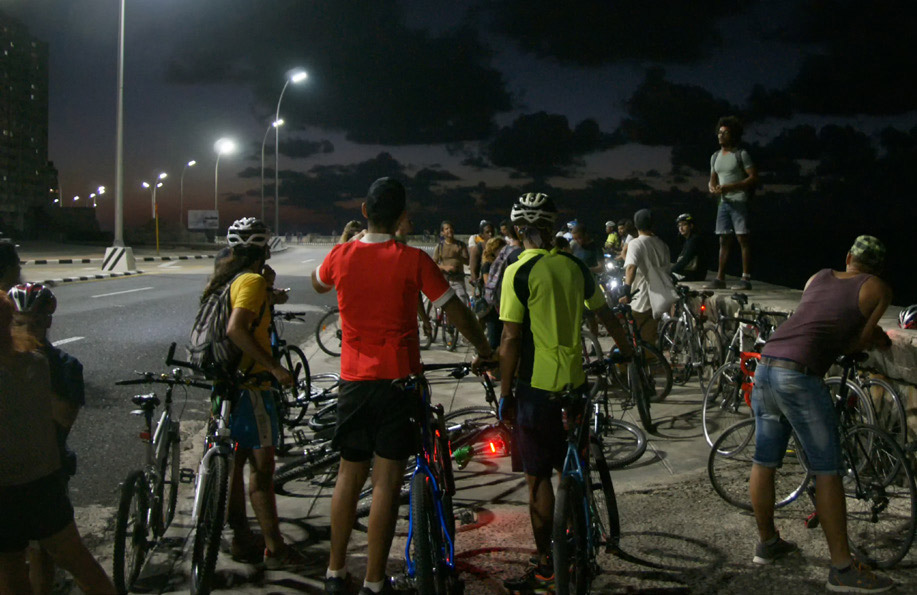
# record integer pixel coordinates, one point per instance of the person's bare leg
(831, 507)
(388, 475)
(761, 491)
(541, 512)
(725, 247)
(351, 478)
(745, 245)
(264, 502)
(237, 516)
(41, 570)
(14, 576)
(69, 552)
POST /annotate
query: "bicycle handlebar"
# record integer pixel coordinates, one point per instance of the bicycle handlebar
(289, 315)
(171, 361)
(163, 378)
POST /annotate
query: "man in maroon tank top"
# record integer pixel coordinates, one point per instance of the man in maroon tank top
(838, 314)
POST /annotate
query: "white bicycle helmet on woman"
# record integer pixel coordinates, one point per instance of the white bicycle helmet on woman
(534, 208)
(908, 318)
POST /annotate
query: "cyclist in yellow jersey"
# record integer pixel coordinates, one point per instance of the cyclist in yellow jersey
(541, 306)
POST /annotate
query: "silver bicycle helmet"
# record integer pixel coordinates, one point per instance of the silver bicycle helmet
(248, 231)
(533, 207)
(33, 297)
(908, 318)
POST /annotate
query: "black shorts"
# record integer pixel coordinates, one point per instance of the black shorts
(539, 433)
(375, 417)
(33, 511)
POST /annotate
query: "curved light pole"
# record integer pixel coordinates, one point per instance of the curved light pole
(158, 184)
(99, 192)
(297, 75)
(181, 194)
(223, 146)
(274, 124)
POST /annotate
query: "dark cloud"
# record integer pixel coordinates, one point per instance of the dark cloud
(370, 75)
(542, 145)
(432, 176)
(300, 148)
(661, 112)
(597, 32)
(861, 58)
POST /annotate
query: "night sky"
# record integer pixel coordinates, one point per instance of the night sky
(604, 104)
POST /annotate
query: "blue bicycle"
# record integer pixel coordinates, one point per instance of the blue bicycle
(430, 548)
(585, 509)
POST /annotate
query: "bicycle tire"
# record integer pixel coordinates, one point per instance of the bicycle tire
(571, 563)
(658, 373)
(426, 341)
(206, 547)
(724, 401)
(623, 443)
(131, 531)
(636, 377)
(602, 495)
(890, 413)
(423, 540)
(729, 466)
(863, 412)
(294, 399)
(324, 418)
(172, 465)
(882, 514)
(673, 346)
(450, 337)
(303, 469)
(328, 333)
(712, 348)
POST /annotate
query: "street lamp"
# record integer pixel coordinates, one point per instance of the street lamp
(274, 124)
(99, 192)
(224, 146)
(76, 198)
(296, 76)
(93, 197)
(162, 176)
(181, 198)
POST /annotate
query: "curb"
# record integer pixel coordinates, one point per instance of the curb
(53, 282)
(91, 260)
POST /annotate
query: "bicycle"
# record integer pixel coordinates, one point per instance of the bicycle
(145, 510)
(622, 442)
(586, 510)
(689, 343)
(878, 482)
(293, 401)
(748, 330)
(328, 333)
(440, 323)
(887, 407)
(431, 523)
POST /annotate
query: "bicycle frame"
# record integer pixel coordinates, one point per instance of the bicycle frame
(218, 443)
(577, 435)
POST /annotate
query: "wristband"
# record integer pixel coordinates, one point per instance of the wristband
(626, 288)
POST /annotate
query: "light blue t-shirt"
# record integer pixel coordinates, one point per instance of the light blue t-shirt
(729, 171)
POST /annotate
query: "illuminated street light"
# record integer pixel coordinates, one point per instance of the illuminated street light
(224, 146)
(76, 198)
(274, 124)
(93, 197)
(181, 196)
(295, 76)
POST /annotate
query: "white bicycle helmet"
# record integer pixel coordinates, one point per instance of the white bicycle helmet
(908, 318)
(533, 207)
(248, 231)
(29, 297)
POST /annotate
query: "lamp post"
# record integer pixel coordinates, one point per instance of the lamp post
(274, 124)
(119, 143)
(223, 146)
(181, 195)
(297, 75)
(99, 192)
(75, 199)
(162, 176)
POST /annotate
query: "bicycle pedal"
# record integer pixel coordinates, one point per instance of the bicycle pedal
(300, 437)
(186, 475)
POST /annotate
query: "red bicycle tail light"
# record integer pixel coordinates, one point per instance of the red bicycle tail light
(703, 307)
(493, 447)
(145, 436)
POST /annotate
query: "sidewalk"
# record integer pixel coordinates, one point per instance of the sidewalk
(679, 537)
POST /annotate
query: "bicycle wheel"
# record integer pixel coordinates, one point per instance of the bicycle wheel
(623, 442)
(473, 431)
(132, 530)
(729, 466)
(602, 497)
(324, 418)
(640, 391)
(860, 407)
(426, 538)
(209, 527)
(658, 373)
(881, 497)
(171, 476)
(724, 401)
(571, 560)
(293, 401)
(328, 333)
(673, 343)
(889, 410)
(450, 337)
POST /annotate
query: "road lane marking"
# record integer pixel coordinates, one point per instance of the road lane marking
(120, 292)
(167, 264)
(310, 260)
(65, 341)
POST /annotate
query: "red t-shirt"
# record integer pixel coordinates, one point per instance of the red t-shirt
(378, 285)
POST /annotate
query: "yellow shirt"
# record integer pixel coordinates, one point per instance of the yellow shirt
(249, 292)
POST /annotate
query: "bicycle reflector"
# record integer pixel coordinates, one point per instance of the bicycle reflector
(145, 436)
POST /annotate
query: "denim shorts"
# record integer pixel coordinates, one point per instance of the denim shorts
(786, 401)
(732, 217)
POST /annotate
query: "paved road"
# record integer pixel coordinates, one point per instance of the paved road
(121, 325)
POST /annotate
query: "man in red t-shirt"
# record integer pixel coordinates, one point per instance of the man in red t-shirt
(378, 281)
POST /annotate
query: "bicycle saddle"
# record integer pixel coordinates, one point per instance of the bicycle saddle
(146, 402)
(852, 358)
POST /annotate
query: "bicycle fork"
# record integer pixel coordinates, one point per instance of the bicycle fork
(220, 448)
(449, 549)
